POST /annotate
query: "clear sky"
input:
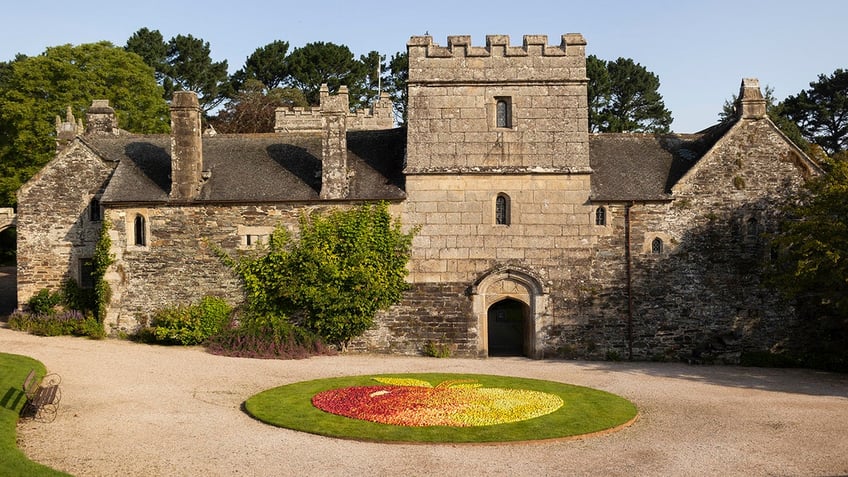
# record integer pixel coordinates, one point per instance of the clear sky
(700, 50)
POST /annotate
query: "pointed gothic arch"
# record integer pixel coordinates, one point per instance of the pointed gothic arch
(513, 289)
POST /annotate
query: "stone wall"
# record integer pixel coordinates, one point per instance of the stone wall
(55, 230)
(702, 299)
(179, 264)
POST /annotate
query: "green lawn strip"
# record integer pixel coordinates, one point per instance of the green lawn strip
(585, 411)
(13, 371)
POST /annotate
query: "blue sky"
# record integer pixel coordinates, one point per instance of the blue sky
(700, 50)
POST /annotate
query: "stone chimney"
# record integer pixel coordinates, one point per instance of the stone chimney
(186, 146)
(751, 104)
(100, 118)
(334, 171)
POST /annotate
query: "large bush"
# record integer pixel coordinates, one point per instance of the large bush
(345, 266)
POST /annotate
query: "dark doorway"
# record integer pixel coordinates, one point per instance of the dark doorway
(506, 320)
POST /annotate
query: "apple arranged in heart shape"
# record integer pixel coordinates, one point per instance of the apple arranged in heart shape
(413, 402)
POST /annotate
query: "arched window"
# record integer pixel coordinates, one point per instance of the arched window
(140, 231)
(657, 246)
(503, 113)
(600, 216)
(752, 229)
(502, 209)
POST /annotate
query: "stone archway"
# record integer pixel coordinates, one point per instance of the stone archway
(519, 295)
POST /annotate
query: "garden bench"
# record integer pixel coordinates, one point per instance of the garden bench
(42, 396)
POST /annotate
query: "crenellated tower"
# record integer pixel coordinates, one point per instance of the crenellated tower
(499, 107)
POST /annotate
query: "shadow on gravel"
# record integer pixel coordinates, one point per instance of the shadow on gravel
(793, 381)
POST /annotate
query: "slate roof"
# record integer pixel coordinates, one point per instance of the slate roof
(249, 168)
(629, 166)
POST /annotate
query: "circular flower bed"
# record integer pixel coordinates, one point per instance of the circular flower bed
(439, 407)
(412, 402)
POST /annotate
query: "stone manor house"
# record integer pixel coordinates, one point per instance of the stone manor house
(536, 237)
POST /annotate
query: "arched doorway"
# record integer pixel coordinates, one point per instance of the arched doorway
(507, 328)
(514, 304)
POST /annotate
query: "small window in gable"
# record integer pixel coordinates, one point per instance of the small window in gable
(600, 216)
(752, 229)
(140, 229)
(95, 212)
(502, 209)
(252, 239)
(503, 112)
(657, 246)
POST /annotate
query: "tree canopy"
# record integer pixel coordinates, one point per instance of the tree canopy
(811, 263)
(624, 97)
(821, 112)
(34, 90)
(319, 62)
(182, 64)
(253, 108)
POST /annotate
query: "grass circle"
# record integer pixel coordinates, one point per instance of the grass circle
(585, 411)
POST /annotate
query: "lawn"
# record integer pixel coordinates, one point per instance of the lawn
(13, 371)
(585, 411)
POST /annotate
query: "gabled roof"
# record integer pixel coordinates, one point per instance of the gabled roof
(249, 168)
(641, 167)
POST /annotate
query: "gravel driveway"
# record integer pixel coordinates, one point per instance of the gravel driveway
(130, 409)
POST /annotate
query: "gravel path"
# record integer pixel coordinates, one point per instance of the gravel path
(131, 410)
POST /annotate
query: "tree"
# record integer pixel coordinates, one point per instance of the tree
(151, 47)
(34, 90)
(318, 63)
(811, 263)
(373, 66)
(395, 83)
(267, 64)
(345, 266)
(183, 63)
(821, 112)
(624, 97)
(190, 68)
(253, 109)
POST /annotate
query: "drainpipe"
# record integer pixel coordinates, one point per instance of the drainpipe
(629, 264)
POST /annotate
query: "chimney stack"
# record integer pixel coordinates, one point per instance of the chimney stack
(186, 146)
(334, 173)
(751, 103)
(100, 118)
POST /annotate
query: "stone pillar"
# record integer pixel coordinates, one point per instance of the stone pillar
(186, 146)
(334, 171)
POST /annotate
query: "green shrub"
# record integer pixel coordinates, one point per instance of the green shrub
(77, 298)
(436, 349)
(44, 302)
(192, 324)
(57, 323)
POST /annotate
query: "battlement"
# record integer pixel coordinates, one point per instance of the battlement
(572, 44)
(299, 119)
(535, 61)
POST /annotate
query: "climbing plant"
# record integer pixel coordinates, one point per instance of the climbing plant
(100, 262)
(345, 266)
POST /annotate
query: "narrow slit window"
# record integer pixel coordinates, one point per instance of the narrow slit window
(502, 209)
(503, 113)
(95, 213)
(657, 246)
(600, 216)
(140, 231)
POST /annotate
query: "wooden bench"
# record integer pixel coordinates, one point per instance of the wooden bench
(43, 396)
